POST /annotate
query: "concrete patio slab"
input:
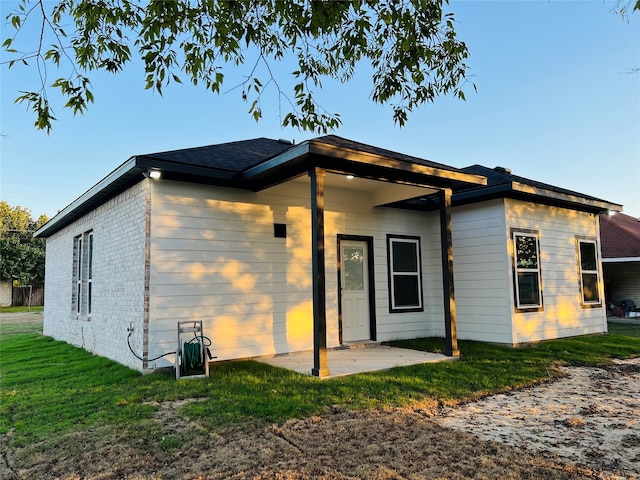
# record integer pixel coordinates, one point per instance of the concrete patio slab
(349, 361)
(632, 320)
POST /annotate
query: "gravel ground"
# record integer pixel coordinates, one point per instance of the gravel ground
(591, 416)
(22, 317)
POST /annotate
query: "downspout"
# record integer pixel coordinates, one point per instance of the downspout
(147, 271)
(446, 248)
(603, 290)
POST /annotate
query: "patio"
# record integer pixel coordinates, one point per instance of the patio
(358, 359)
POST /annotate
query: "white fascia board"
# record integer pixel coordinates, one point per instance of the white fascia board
(621, 260)
(565, 197)
(78, 202)
(358, 156)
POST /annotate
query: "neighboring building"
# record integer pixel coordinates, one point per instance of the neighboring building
(620, 236)
(6, 293)
(281, 248)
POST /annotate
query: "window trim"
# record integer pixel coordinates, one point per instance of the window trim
(79, 256)
(596, 272)
(82, 275)
(89, 272)
(538, 270)
(393, 308)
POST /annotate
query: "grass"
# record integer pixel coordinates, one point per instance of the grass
(49, 388)
(19, 328)
(626, 329)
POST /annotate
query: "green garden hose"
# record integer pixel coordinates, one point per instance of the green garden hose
(190, 355)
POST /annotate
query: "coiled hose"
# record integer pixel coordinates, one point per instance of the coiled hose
(191, 356)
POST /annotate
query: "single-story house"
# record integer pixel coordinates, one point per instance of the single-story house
(620, 235)
(279, 248)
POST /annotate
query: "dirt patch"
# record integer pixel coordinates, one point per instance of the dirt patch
(22, 317)
(341, 445)
(584, 425)
(590, 417)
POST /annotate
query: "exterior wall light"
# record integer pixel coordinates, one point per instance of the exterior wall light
(350, 177)
(612, 213)
(155, 173)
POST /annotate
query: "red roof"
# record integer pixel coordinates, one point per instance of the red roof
(620, 236)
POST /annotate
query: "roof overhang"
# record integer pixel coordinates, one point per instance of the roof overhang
(125, 176)
(343, 160)
(378, 194)
(290, 164)
(521, 191)
(621, 260)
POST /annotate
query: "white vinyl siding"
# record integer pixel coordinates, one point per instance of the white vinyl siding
(563, 314)
(482, 272)
(215, 258)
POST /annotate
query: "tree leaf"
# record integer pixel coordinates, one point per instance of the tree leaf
(411, 46)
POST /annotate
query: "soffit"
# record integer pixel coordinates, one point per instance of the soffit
(379, 193)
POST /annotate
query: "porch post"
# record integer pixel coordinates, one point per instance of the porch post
(446, 246)
(320, 367)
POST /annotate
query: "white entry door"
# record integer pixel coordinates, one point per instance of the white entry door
(355, 291)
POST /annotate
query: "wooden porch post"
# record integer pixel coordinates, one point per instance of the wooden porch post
(451, 340)
(320, 367)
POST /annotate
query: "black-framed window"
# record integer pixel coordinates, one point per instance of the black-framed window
(526, 260)
(405, 274)
(589, 274)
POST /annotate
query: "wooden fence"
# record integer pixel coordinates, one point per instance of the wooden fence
(20, 295)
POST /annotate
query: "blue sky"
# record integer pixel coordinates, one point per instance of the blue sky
(555, 103)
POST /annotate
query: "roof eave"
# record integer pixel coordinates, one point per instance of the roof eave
(523, 191)
(620, 259)
(367, 159)
(95, 194)
(589, 204)
(295, 161)
(126, 175)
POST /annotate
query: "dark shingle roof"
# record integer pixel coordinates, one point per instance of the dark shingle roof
(232, 156)
(241, 155)
(501, 176)
(258, 163)
(502, 183)
(619, 236)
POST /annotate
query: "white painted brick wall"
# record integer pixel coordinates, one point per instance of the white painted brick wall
(119, 227)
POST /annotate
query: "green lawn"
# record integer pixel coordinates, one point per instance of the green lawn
(49, 387)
